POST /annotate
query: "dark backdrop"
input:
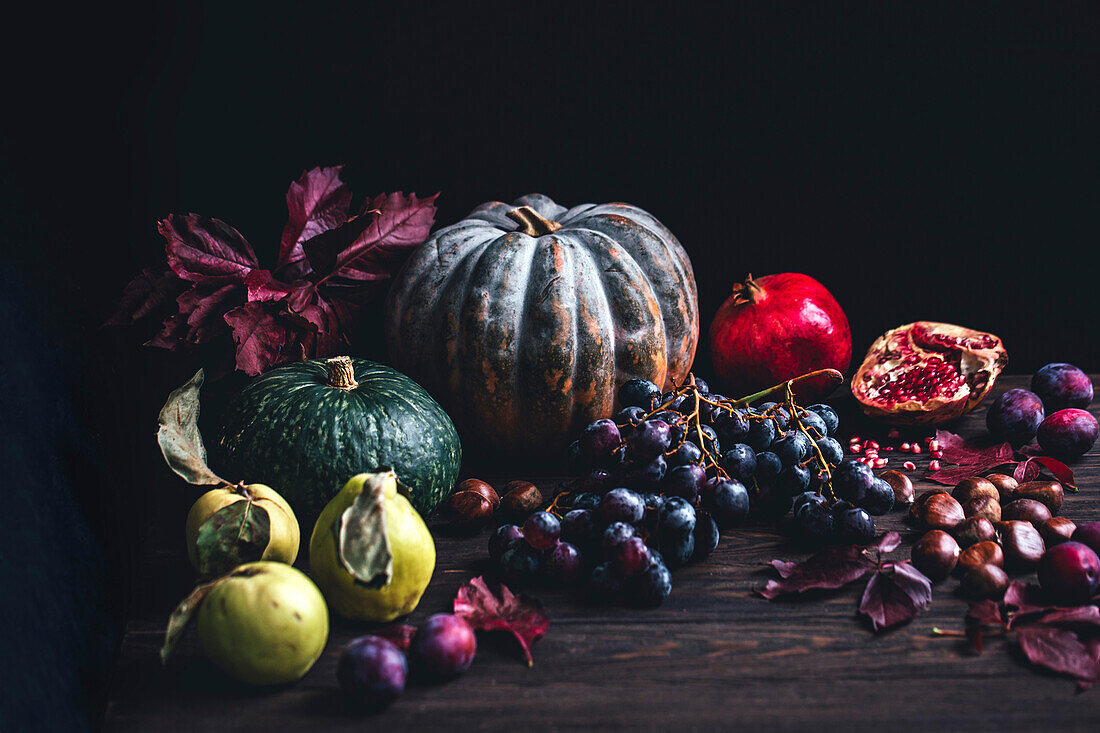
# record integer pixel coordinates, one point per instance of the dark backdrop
(940, 166)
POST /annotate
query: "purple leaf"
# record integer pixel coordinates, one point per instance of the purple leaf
(895, 595)
(262, 286)
(832, 567)
(783, 567)
(200, 248)
(1061, 471)
(316, 202)
(888, 542)
(1079, 615)
(1059, 650)
(147, 292)
(1026, 471)
(259, 336)
(400, 634)
(963, 452)
(982, 614)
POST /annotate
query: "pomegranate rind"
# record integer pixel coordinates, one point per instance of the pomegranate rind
(902, 355)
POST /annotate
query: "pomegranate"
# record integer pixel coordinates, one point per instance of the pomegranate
(926, 373)
(776, 328)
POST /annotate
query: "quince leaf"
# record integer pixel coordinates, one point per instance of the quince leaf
(362, 539)
(233, 535)
(179, 438)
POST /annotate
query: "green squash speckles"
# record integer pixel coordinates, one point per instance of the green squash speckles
(306, 428)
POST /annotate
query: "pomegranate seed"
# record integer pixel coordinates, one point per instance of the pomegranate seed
(855, 447)
(909, 465)
(872, 444)
(933, 445)
(915, 448)
(893, 433)
(880, 462)
(933, 465)
(889, 447)
(937, 454)
(904, 448)
(853, 439)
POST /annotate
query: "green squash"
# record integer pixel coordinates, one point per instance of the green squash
(306, 428)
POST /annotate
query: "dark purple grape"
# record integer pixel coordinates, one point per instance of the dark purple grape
(769, 503)
(852, 480)
(879, 499)
(1062, 385)
(629, 416)
(639, 392)
(830, 450)
(808, 497)
(614, 535)
(372, 671)
(677, 425)
(542, 530)
(586, 500)
(793, 480)
(708, 440)
(1068, 433)
(853, 524)
(813, 424)
(685, 481)
(520, 564)
(575, 464)
(828, 415)
(688, 452)
(739, 461)
(622, 505)
(646, 474)
(1015, 416)
(503, 538)
(596, 481)
(650, 438)
(580, 526)
(814, 522)
(706, 535)
(631, 557)
(676, 517)
(792, 447)
(778, 414)
(605, 583)
(728, 501)
(678, 549)
(731, 428)
(653, 586)
(599, 439)
(761, 434)
(565, 564)
(768, 467)
(443, 647)
(818, 477)
(653, 501)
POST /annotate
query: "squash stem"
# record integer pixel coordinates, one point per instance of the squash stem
(532, 222)
(341, 373)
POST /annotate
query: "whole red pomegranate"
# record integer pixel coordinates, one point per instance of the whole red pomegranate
(927, 373)
(776, 328)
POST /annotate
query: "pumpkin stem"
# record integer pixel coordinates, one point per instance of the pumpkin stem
(341, 373)
(534, 224)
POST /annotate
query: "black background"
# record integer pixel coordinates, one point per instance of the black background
(940, 166)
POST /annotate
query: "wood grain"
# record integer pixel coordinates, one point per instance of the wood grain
(714, 656)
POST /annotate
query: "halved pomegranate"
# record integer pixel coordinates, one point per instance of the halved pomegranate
(926, 373)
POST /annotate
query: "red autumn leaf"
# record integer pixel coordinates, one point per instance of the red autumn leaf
(833, 567)
(522, 615)
(1059, 650)
(1061, 471)
(147, 292)
(372, 245)
(1026, 471)
(316, 202)
(400, 634)
(978, 616)
(262, 286)
(259, 335)
(200, 248)
(1077, 616)
(895, 595)
(972, 458)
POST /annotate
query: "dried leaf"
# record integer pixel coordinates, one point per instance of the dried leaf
(1061, 471)
(316, 202)
(972, 458)
(895, 595)
(1026, 471)
(179, 438)
(1077, 616)
(400, 634)
(149, 291)
(1059, 650)
(235, 534)
(200, 248)
(982, 614)
(181, 616)
(259, 335)
(888, 542)
(522, 616)
(363, 541)
(832, 567)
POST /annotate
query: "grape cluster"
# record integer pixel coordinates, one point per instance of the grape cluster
(656, 482)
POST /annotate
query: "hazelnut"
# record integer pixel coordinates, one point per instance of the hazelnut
(981, 553)
(479, 486)
(984, 581)
(983, 506)
(1022, 545)
(1056, 530)
(1049, 493)
(521, 498)
(935, 554)
(1005, 484)
(1027, 510)
(901, 484)
(937, 511)
(469, 510)
(974, 529)
(975, 486)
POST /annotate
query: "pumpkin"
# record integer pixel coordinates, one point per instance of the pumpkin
(524, 319)
(306, 428)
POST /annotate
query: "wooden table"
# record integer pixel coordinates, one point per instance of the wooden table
(714, 656)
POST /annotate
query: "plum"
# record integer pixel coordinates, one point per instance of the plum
(1062, 385)
(372, 671)
(1070, 573)
(1068, 433)
(1015, 416)
(444, 646)
(1088, 534)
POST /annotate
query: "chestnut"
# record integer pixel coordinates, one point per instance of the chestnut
(469, 510)
(975, 486)
(1057, 530)
(935, 554)
(981, 553)
(1005, 484)
(982, 505)
(521, 498)
(938, 511)
(1022, 545)
(901, 484)
(1050, 493)
(974, 529)
(984, 581)
(1027, 510)
(479, 486)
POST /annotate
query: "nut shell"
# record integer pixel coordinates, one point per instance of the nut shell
(1049, 493)
(1022, 545)
(901, 484)
(984, 581)
(938, 511)
(469, 510)
(973, 530)
(983, 505)
(936, 554)
(521, 499)
(1027, 510)
(1057, 530)
(481, 487)
(981, 553)
(975, 486)
(1005, 484)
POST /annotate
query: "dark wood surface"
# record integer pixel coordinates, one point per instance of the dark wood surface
(714, 656)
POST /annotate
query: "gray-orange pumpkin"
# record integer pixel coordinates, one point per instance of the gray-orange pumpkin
(523, 319)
